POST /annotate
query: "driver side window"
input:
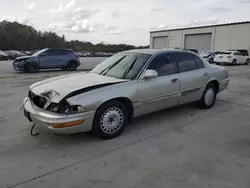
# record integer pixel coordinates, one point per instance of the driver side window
(163, 64)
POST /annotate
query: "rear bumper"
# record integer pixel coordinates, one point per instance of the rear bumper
(45, 119)
(223, 84)
(223, 60)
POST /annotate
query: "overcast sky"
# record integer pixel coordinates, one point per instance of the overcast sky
(120, 21)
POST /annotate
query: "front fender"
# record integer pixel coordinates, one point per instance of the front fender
(94, 99)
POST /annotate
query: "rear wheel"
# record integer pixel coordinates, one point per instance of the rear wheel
(72, 66)
(110, 120)
(234, 62)
(31, 68)
(247, 62)
(209, 96)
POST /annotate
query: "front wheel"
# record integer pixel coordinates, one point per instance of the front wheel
(31, 68)
(110, 120)
(247, 62)
(209, 96)
(234, 62)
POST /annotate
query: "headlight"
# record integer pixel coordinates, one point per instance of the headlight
(74, 109)
(229, 56)
(65, 108)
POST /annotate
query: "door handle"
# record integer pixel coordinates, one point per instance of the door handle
(205, 73)
(174, 80)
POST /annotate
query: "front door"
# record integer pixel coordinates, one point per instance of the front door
(193, 76)
(161, 92)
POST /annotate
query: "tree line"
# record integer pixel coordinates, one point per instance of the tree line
(16, 36)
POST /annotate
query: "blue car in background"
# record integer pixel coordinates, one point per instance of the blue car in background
(48, 58)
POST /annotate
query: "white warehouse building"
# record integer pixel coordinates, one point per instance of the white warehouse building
(204, 38)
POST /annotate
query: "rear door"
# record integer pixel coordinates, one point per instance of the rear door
(62, 57)
(237, 57)
(243, 57)
(193, 76)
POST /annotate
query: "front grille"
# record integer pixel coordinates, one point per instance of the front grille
(38, 100)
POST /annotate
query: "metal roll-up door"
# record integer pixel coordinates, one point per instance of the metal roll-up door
(200, 42)
(160, 42)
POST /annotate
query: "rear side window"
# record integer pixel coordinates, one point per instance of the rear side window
(186, 62)
(199, 62)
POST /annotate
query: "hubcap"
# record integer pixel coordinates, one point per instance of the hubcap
(111, 120)
(209, 96)
(32, 69)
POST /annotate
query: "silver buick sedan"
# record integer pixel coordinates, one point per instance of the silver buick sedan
(129, 84)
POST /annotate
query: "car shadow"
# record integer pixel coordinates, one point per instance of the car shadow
(141, 123)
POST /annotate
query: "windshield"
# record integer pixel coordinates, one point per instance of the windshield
(39, 52)
(122, 65)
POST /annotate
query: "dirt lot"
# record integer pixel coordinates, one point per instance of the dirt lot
(179, 147)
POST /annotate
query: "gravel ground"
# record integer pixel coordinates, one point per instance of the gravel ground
(179, 147)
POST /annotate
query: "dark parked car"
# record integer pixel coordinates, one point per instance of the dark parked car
(3, 56)
(13, 54)
(48, 59)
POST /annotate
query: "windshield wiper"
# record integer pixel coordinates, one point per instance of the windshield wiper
(129, 69)
(111, 66)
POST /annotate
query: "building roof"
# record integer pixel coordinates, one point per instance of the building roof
(153, 51)
(195, 27)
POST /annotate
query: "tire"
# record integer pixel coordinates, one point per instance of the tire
(72, 66)
(217, 63)
(31, 68)
(110, 120)
(208, 97)
(247, 62)
(234, 62)
(211, 61)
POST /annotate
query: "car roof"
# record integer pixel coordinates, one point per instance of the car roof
(155, 51)
(58, 49)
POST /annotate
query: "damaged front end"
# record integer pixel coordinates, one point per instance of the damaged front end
(61, 118)
(63, 107)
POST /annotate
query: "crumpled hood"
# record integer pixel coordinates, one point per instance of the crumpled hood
(23, 58)
(59, 87)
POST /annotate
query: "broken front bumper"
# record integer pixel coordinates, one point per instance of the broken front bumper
(46, 119)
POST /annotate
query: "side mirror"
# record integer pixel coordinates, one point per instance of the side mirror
(42, 55)
(150, 74)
